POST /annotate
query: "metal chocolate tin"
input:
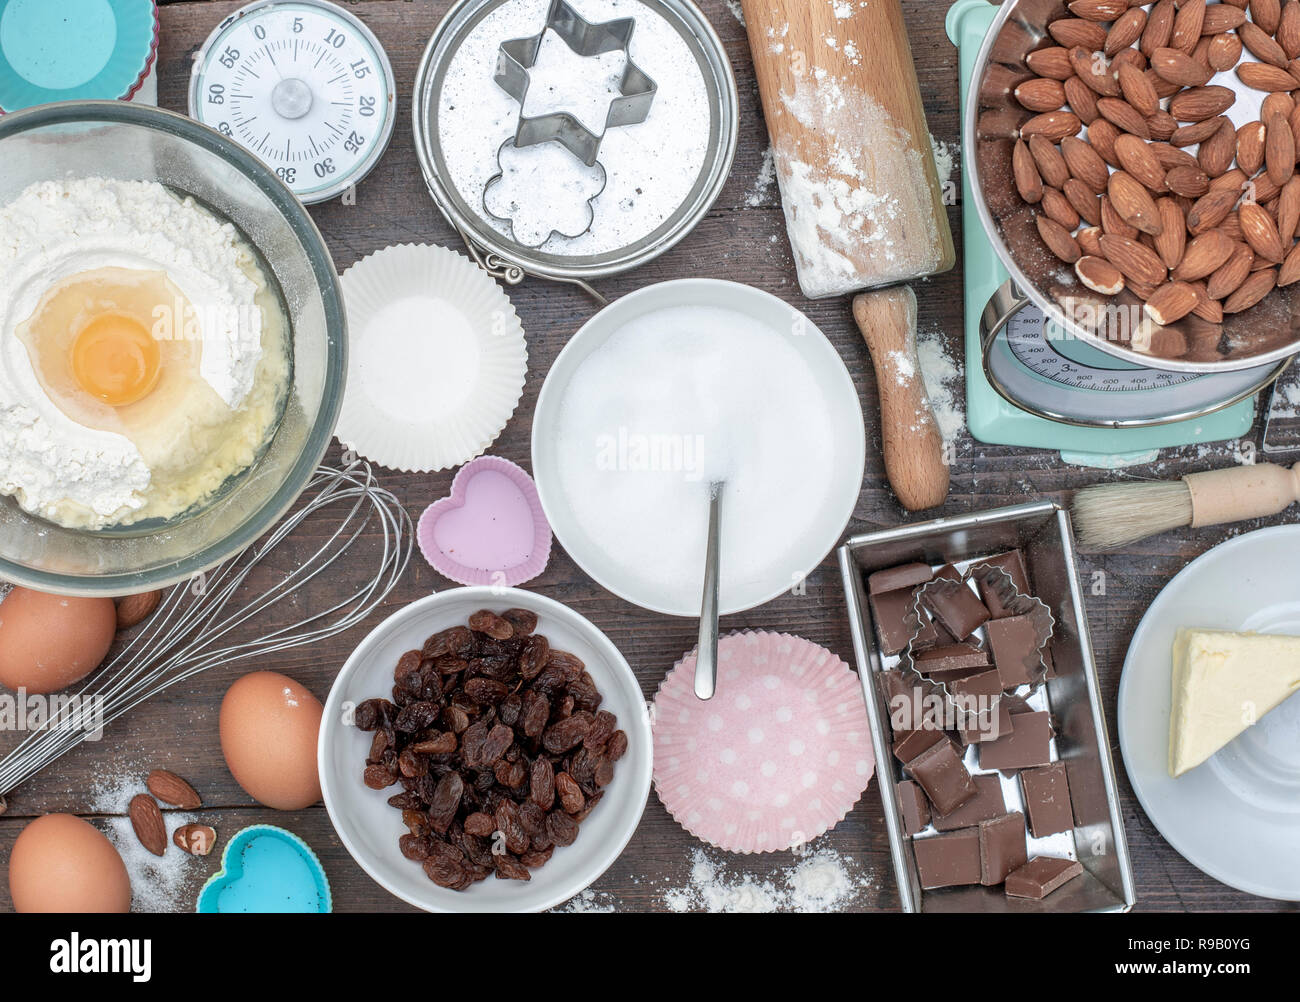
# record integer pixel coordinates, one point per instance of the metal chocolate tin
(511, 261)
(1041, 530)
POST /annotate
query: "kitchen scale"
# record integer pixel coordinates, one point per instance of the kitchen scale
(1095, 409)
(303, 84)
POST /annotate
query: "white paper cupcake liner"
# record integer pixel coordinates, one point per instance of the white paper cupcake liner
(777, 757)
(436, 359)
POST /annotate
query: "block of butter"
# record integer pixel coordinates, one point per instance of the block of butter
(1223, 682)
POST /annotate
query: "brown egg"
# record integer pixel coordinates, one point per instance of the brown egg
(48, 642)
(60, 863)
(269, 726)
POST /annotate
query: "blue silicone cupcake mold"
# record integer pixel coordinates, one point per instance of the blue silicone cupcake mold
(267, 869)
(74, 50)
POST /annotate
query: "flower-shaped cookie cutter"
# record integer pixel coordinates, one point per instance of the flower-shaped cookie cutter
(556, 231)
(1014, 601)
(517, 56)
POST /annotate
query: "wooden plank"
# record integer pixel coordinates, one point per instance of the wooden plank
(738, 240)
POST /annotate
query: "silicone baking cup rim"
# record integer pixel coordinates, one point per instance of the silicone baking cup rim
(451, 568)
(427, 444)
(835, 672)
(150, 58)
(234, 850)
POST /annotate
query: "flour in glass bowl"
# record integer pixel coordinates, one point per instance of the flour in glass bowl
(651, 167)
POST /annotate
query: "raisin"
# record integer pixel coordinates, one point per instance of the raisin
(446, 798)
(533, 818)
(616, 746)
(471, 743)
(447, 874)
(507, 818)
(604, 772)
(523, 620)
(439, 743)
(455, 640)
(380, 743)
(414, 847)
(592, 801)
(509, 709)
(407, 663)
(417, 716)
(536, 712)
(480, 824)
(533, 656)
(562, 828)
(537, 857)
(601, 729)
(498, 740)
(456, 719)
(509, 868)
(377, 777)
(486, 621)
(569, 792)
(412, 764)
(511, 775)
(567, 733)
(542, 789)
(486, 690)
(368, 715)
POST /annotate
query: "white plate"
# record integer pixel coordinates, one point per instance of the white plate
(369, 828)
(791, 561)
(1237, 815)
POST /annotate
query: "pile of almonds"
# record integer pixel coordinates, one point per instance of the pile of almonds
(147, 819)
(1128, 203)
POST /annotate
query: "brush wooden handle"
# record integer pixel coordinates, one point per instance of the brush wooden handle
(1242, 492)
(912, 442)
(850, 143)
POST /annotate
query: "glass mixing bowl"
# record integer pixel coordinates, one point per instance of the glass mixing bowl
(135, 142)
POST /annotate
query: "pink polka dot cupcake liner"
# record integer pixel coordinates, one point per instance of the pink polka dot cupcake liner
(777, 757)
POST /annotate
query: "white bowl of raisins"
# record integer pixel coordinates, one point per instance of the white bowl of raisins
(485, 750)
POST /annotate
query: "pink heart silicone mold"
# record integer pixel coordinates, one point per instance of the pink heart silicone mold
(490, 530)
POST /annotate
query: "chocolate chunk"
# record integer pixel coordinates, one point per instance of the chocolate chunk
(956, 607)
(989, 725)
(891, 683)
(891, 611)
(987, 803)
(1013, 562)
(943, 777)
(1047, 799)
(931, 634)
(1041, 876)
(895, 578)
(1014, 643)
(913, 806)
(1002, 847)
(955, 659)
(948, 860)
(916, 742)
(948, 572)
(1028, 744)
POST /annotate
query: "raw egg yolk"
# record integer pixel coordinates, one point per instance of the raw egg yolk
(116, 359)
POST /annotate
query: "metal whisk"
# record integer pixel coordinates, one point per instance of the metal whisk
(184, 635)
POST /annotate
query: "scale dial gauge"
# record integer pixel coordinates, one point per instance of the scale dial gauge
(303, 84)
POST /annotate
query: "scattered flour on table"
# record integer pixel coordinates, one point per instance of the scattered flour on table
(946, 156)
(762, 186)
(942, 381)
(588, 901)
(822, 880)
(736, 11)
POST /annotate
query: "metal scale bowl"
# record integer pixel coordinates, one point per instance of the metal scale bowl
(511, 261)
(1080, 378)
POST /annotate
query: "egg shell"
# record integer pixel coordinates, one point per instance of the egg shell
(49, 642)
(60, 863)
(269, 727)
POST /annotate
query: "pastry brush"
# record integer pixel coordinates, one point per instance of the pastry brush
(1113, 515)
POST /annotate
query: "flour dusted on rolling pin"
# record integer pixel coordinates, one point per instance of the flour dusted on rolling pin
(862, 200)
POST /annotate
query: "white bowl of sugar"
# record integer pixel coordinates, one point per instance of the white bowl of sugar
(674, 387)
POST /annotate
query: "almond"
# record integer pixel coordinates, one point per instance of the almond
(147, 820)
(1041, 94)
(1288, 209)
(1137, 157)
(1196, 104)
(1053, 125)
(1133, 202)
(1126, 30)
(1190, 182)
(1053, 62)
(1113, 223)
(1290, 270)
(1251, 291)
(1056, 207)
(1279, 150)
(1261, 44)
(1124, 116)
(1099, 275)
(1025, 173)
(1231, 228)
(1187, 25)
(1261, 232)
(1089, 240)
(1262, 76)
(1101, 137)
(197, 840)
(1228, 277)
(1051, 165)
(1180, 68)
(1206, 308)
(1210, 209)
(1083, 200)
(1171, 156)
(1098, 10)
(1095, 70)
(1159, 29)
(1197, 132)
(1081, 98)
(1162, 126)
(1277, 103)
(171, 789)
(1267, 14)
(1058, 239)
(1221, 17)
(1288, 30)
(1170, 303)
(1203, 256)
(1172, 238)
(135, 609)
(1224, 52)
(1216, 153)
(1075, 31)
(1137, 90)
(1250, 147)
(1085, 163)
(1134, 260)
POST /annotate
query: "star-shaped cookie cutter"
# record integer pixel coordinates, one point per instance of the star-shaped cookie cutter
(517, 56)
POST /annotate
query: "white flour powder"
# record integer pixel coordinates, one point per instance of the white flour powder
(821, 881)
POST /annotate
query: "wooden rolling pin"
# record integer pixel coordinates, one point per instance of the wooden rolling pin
(910, 435)
(850, 144)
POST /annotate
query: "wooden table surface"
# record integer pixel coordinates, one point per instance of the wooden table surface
(737, 240)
